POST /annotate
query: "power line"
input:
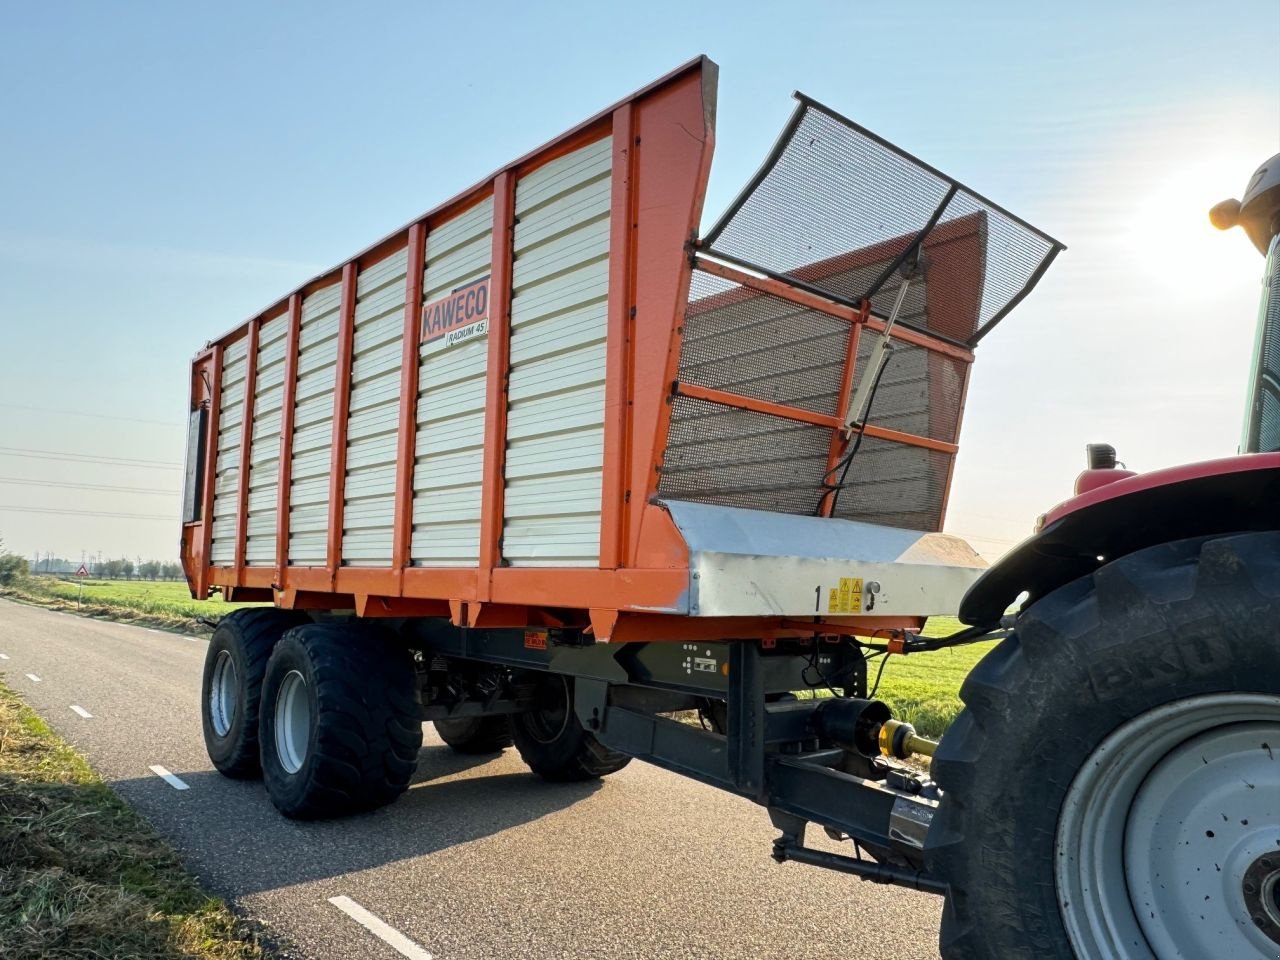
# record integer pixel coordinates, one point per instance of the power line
(71, 457)
(6, 508)
(93, 416)
(108, 487)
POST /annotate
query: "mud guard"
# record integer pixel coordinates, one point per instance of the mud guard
(1233, 495)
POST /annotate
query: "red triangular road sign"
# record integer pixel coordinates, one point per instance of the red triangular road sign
(83, 571)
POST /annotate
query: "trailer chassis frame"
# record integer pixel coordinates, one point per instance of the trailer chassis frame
(798, 758)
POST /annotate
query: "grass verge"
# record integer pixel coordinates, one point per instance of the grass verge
(82, 875)
(160, 604)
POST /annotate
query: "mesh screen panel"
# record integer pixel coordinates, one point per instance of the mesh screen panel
(920, 390)
(835, 207)
(763, 347)
(895, 485)
(739, 458)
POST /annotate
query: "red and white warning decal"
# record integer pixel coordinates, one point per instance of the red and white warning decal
(456, 318)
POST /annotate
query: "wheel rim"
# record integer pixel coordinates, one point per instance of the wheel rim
(224, 693)
(1168, 844)
(293, 722)
(549, 720)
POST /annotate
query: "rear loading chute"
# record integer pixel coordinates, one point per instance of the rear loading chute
(837, 212)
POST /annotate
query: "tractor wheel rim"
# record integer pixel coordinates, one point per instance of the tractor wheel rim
(224, 694)
(1168, 844)
(293, 722)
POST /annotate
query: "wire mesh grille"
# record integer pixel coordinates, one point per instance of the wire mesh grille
(837, 209)
(920, 390)
(740, 458)
(761, 346)
(895, 485)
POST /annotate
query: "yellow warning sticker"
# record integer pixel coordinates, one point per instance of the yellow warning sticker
(846, 598)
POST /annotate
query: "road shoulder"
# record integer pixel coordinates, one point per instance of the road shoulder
(84, 874)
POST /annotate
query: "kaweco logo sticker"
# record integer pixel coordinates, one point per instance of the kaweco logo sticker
(462, 315)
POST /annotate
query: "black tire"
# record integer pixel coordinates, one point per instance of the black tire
(364, 729)
(246, 637)
(472, 735)
(554, 744)
(1175, 621)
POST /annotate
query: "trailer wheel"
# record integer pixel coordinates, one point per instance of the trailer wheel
(553, 742)
(476, 734)
(1112, 787)
(232, 685)
(340, 722)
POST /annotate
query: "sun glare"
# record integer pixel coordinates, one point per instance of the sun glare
(1170, 222)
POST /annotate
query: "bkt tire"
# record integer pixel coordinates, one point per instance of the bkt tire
(473, 735)
(340, 722)
(553, 743)
(1112, 788)
(232, 686)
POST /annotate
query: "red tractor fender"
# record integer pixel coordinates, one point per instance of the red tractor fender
(1232, 495)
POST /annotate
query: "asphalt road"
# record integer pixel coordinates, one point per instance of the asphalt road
(480, 859)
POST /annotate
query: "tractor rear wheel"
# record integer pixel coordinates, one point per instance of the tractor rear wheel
(1112, 788)
(553, 742)
(473, 735)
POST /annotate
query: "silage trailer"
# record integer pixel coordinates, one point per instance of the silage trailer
(549, 467)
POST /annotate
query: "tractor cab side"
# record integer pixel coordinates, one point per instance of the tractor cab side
(1259, 215)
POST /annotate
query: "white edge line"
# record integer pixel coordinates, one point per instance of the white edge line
(168, 777)
(387, 934)
(33, 678)
(81, 711)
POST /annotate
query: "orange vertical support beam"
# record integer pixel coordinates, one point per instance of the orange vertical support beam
(284, 484)
(341, 409)
(617, 382)
(246, 447)
(839, 443)
(406, 440)
(495, 425)
(210, 473)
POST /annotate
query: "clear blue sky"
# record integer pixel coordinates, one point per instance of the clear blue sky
(168, 169)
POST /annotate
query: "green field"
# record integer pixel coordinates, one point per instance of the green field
(156, 598)
(923, 688)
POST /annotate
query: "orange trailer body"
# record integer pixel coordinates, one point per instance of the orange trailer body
(286, 508)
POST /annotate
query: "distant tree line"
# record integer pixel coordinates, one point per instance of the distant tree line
(125, 569)
(12, 566)
(121, 569)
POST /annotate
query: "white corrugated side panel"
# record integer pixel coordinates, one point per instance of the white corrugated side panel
(555, 419)
(370, 486)
(264, 450)
(449, 452)
(227, 468)
(313, 428)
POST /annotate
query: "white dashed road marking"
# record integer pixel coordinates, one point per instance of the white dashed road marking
(82, 712)
(4, 656)
(387, 934)
(168, 778)
(33, 678)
